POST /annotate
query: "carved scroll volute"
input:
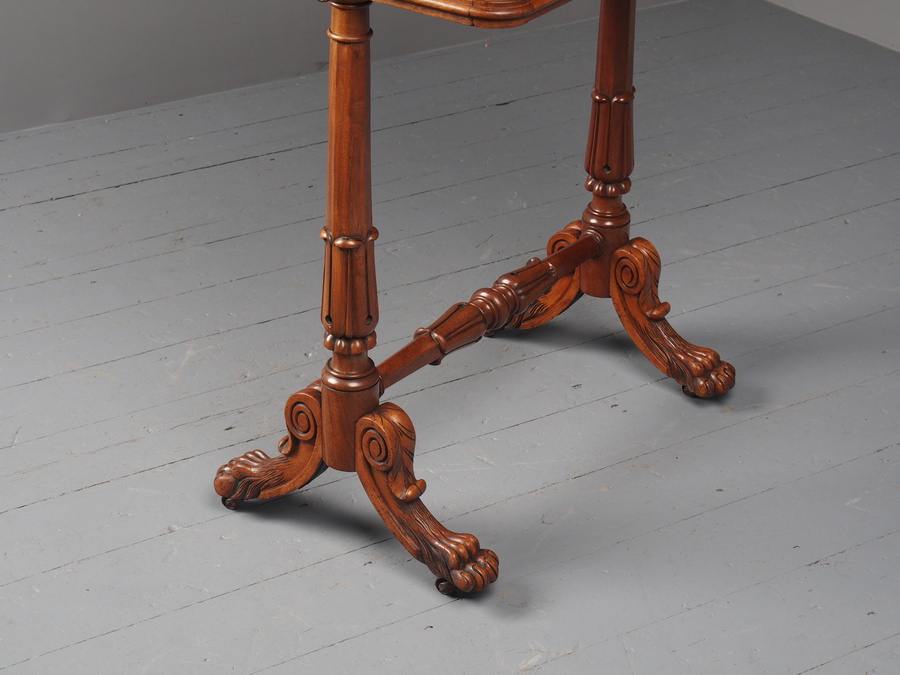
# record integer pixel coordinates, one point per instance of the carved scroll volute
(257, 475)
(635, 284)
(386, 443)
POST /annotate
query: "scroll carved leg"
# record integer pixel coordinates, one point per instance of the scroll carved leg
(255, 475)
(634, 290)
(385, 441)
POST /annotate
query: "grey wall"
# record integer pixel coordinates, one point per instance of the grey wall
(875, 20)
(62, 60)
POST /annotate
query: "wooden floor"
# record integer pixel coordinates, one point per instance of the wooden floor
(160, 285)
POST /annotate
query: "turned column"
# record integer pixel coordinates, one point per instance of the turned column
(609, 159)
(351, 385)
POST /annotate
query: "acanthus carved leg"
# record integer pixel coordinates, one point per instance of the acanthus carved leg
(255, 475)
(634, 290)
(385, 446)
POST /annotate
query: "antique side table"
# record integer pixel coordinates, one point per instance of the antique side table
(339, 420)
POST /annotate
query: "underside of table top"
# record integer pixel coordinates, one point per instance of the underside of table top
(482, 13)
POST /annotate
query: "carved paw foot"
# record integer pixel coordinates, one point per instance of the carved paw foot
(247, 476)
(634, 289)
(472, 569)
(385, 446)
(705, 374)
(256, 475)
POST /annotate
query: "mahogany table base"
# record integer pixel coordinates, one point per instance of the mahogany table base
(339, 421)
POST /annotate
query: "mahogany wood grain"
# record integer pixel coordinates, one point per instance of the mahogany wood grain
(481, 13)
(340, 421)
(349, 297)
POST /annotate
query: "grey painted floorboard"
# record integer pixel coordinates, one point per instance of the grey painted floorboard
(160, 285)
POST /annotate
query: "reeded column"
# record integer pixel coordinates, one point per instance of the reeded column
(350, 380)
(609, 159)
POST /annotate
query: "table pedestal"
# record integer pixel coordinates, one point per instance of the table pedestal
(339, 421)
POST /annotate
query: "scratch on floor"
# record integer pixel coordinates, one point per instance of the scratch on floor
(189, 354)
